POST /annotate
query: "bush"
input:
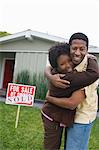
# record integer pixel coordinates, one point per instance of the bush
(39, 81)
(98, 90)
(23, 77)
(98, 97)
(41, 84)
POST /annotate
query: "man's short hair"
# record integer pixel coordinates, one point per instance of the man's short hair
(56, 51)
(80, 36)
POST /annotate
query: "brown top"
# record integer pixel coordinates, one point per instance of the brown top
(78, 80)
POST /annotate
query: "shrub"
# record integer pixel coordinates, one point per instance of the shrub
(39, 81)
(23, 77)
(98, 90)
(41, 84)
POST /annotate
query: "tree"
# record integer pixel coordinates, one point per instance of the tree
(4, 33)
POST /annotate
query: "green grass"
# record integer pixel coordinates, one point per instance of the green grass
(94, 139)
(29, 134)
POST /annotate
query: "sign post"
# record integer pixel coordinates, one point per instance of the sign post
(21, 95)
(17, 117)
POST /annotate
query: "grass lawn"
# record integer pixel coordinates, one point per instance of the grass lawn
(29, 134)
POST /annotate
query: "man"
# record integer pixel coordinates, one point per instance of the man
(78, 134)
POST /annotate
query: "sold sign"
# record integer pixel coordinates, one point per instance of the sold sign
(18, 94)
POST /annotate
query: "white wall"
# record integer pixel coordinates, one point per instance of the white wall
(25, 45)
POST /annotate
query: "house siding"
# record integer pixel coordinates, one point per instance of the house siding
(30, 55)
(26, 45)
(97, 55)
(34, 62)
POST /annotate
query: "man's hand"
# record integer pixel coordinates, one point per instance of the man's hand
(47, 96)
(60, 83)
(55, 79)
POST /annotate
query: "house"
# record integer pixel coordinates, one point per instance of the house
(27, 50)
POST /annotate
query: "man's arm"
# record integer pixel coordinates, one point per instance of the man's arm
(70, 103)
(55, 79)
(85, 78)
(77, 80)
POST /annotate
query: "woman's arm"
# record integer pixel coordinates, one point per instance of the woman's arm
(70, 103)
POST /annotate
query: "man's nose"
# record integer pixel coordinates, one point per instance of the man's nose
(77, 52)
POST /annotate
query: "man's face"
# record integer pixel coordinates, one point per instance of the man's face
(78, 50)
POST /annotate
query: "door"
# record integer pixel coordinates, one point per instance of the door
(8, 72)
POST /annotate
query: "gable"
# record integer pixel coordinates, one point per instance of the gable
(25, 45)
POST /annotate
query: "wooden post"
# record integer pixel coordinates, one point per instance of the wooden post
(17, 116)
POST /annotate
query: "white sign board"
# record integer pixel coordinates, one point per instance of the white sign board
(18, 94)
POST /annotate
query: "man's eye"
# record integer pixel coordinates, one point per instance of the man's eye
(74, 48)
(82, 49)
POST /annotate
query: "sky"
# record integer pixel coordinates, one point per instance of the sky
(56, 17)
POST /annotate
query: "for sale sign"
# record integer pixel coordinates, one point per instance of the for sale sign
(18, 94)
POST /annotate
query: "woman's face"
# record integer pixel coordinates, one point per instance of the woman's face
(64, 63)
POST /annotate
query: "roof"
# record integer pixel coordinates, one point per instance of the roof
(29, 34)
(93, 49)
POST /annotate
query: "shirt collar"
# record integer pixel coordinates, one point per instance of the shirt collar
(83, 65)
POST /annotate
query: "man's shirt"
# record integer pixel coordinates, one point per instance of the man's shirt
(87, 110)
